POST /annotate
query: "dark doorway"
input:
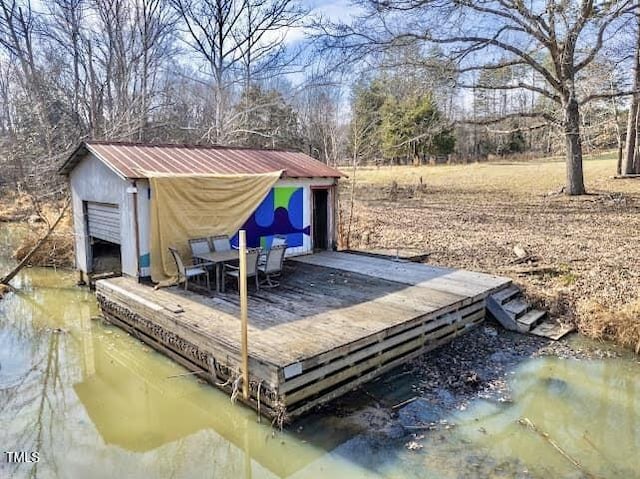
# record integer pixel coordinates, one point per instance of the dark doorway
(320, 219)
(105, 257)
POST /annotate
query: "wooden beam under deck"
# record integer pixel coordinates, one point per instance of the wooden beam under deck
(336, 321)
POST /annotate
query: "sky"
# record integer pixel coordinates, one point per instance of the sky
(333, 10)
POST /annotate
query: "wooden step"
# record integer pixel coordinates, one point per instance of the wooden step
(506, 294)
(551, 330)
(517, 307)
(496, 310)
(530, 320)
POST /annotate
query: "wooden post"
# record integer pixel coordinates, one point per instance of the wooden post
(243, 314)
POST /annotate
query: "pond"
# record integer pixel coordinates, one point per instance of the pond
(94, 402)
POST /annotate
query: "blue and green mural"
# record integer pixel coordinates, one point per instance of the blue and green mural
(280, 213)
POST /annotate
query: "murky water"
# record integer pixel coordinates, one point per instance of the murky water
(94, 402)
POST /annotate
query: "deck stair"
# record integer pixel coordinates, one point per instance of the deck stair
(512, 310)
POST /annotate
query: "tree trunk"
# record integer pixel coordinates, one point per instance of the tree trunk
(7, 278)
(616, 119)
(636, 167)
(575, 177)
(627, 167)
(628, 162)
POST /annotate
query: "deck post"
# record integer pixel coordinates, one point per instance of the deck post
(243, 313)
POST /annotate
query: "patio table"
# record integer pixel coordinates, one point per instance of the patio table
(219, 258)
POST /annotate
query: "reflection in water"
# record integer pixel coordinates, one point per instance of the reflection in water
(97, 403)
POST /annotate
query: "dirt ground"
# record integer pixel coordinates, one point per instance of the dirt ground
(583, 265)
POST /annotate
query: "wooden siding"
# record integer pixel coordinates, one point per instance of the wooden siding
(92, 181)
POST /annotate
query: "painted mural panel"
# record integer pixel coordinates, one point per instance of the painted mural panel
(280, 213)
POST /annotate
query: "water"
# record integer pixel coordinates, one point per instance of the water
(94, 402)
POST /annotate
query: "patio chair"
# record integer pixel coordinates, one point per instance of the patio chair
(273, 264)
(252, 268)
(199, 246)
(277, 240)
(220, 243)
(185, 272)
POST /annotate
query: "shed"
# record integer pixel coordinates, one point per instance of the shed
(111, 198)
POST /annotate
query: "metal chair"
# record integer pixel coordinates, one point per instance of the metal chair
(252, 268)
(199, 246)
(273, 264)
(220, 243)
(277, 240)
(190, 271)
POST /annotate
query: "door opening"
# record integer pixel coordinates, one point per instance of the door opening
(103, 229)
(105, 257)
(320, 219)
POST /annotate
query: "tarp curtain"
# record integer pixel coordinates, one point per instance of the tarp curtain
(195, 206)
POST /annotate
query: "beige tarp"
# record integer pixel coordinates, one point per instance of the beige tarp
(195, 206)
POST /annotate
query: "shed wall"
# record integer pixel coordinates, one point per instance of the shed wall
(91, 180)
(144, 199)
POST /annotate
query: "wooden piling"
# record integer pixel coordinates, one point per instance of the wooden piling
(244, 314)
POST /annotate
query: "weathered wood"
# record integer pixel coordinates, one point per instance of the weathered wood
(506, 294)
(531, 318)
(464, 283)
(369, 376)
(266, 404)
(324, 331)
(396, 254)
(243, 314)
(380, 358)
(516, 307)
(383, 343)
(552, 330)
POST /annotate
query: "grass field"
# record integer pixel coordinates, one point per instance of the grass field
(531, 177)
(473, 215)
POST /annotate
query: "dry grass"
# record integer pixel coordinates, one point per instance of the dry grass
(14, 206)
(58, 250)
(471, 216)
(535, 176)
(621, 326)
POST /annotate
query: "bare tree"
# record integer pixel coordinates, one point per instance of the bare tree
(238, 40)
(557, 39)
(321, 119)
(631, 160)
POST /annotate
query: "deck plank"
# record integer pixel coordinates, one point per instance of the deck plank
(461, 282)
(333, 316)
(323, 303)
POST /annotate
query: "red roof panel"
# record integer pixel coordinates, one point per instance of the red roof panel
(131, 160)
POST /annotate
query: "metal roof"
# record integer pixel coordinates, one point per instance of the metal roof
(131, 160)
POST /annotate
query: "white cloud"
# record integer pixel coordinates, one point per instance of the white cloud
(334, 10)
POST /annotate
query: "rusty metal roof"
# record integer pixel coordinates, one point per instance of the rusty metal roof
(131, 160)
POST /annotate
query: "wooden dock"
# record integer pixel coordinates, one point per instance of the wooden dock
(336, 321)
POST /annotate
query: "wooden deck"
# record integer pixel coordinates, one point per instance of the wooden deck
(337, 320)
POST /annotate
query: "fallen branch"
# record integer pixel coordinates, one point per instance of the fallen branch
(190, 373)
(7, 278)
(526, 422)
(539, 269)
(404, 403)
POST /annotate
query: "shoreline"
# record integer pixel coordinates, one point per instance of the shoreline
(421, 395)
